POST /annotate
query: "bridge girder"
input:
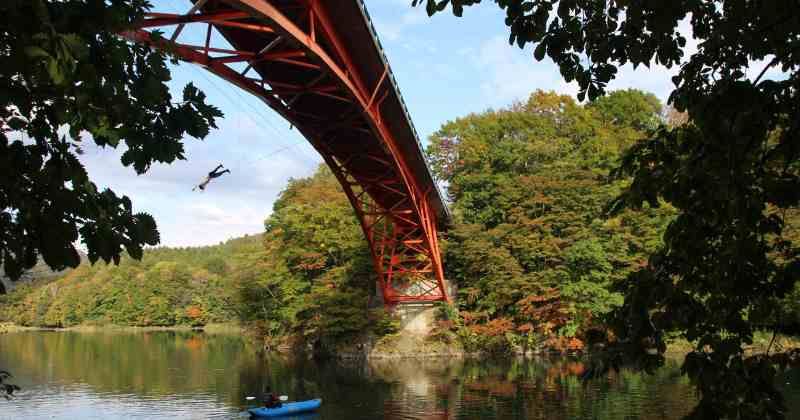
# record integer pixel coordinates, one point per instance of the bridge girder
(289, 54)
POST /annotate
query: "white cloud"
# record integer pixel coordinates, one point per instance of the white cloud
(211, 221)
(656, 79)
(512, 74)
(394, 28)
(261, 161)
(213, 214)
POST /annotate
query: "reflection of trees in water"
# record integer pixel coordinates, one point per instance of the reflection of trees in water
(546, 389)
(163, 364)
(146, 363)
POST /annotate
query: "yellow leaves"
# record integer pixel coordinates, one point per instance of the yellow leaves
(156, 301)
(200, 276)
(548, 103)
(613, 223)
(545, 328)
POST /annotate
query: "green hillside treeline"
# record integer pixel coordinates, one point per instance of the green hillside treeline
(532, 251)
(169, 286)
(309, 275)
(536, 257)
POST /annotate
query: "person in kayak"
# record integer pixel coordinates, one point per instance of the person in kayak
(216, 173)
(271, 400)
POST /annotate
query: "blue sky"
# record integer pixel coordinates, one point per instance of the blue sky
(446, 67)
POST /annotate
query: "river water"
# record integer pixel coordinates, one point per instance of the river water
(170, 375)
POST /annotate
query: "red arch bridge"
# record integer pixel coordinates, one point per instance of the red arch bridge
(320, 65)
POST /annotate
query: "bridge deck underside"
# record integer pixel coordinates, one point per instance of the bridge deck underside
(316, 64)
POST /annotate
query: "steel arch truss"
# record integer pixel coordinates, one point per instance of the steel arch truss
(288, 53)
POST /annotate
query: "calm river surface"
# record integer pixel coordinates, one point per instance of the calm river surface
(168, 375)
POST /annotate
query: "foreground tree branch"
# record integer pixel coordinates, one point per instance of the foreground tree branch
(730, 172)
(65, 82)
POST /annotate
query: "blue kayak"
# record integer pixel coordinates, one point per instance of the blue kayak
(287, 409)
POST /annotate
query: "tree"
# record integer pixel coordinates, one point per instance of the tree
(528, 185)
(731, 172)
(630, 108)
(67, 78)
(326, 273)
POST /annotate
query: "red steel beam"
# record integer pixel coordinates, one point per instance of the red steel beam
(403, 238)
(167, 19)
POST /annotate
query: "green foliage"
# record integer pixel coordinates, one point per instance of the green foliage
(169, 286)
(310, 275)
(384, 322)
(731, 172)
(447, 312)
(629, 108)
(590, 283)
(725, 260)
(318, 275)
(314, 225)
(64, 80)
(531, 243)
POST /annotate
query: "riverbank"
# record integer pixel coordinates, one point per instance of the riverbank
(409, 345)
(763, 342)
(209, 328)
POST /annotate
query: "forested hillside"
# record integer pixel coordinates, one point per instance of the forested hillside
(39, 271)
(538, 255)
(308, 276)
(534, 255)
(537, 258)
(169, 286)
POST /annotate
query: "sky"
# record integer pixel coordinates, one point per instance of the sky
(446, 67)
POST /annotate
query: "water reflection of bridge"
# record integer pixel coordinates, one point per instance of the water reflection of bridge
(321, 67)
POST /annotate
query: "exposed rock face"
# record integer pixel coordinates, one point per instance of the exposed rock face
(417, 319)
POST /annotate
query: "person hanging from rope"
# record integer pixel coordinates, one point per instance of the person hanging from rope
(216, 173)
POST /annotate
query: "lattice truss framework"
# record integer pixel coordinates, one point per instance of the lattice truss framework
(288, 53)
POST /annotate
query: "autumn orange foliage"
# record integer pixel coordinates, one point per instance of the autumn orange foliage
(544, 312)
(194, 312)
(494, 328)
